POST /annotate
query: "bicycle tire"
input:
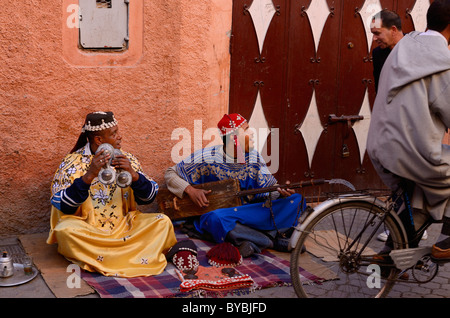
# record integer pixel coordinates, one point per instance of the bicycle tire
(333, 273)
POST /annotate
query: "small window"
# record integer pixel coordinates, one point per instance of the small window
(104, 24)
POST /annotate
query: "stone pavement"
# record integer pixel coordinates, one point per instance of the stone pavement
(439, 287)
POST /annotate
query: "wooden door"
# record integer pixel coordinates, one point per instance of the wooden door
(304, 69)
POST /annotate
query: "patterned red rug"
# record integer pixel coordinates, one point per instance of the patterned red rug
(266, 270)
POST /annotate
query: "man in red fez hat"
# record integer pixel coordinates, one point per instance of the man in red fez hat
(250, 227)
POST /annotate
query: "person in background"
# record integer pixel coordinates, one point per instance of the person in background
(386, 27)
(410, 117)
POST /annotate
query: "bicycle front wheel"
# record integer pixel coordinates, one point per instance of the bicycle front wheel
(337, 254)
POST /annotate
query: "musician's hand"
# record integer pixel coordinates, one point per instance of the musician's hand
(123, 163)
(286, 192)
(97, 163)
(198, 196)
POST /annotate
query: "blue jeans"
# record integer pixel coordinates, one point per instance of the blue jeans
(257, 239)
(256, 218)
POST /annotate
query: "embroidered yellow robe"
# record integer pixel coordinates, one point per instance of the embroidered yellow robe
(107, 234)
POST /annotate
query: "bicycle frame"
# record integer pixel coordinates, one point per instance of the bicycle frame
(337, 201)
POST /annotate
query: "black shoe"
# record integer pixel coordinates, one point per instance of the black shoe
(303, 249)
(246, 249)
(281, 245)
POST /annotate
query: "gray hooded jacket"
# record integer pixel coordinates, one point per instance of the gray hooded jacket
(409, 120)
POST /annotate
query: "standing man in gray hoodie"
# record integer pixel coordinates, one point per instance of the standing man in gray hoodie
(410, 117)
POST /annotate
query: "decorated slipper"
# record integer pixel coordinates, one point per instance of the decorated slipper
(184, 256)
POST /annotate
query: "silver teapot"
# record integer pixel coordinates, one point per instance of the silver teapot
(6, 266)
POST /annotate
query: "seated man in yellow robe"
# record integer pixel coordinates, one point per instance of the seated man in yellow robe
(98, 226)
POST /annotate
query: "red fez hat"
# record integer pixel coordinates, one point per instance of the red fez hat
(230, 123)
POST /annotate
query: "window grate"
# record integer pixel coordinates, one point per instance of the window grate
(107, 4)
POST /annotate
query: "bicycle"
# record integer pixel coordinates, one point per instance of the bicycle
(339, 237)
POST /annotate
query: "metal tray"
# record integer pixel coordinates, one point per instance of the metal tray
(18, 277)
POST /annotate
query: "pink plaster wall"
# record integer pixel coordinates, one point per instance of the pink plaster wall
(177, 72)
